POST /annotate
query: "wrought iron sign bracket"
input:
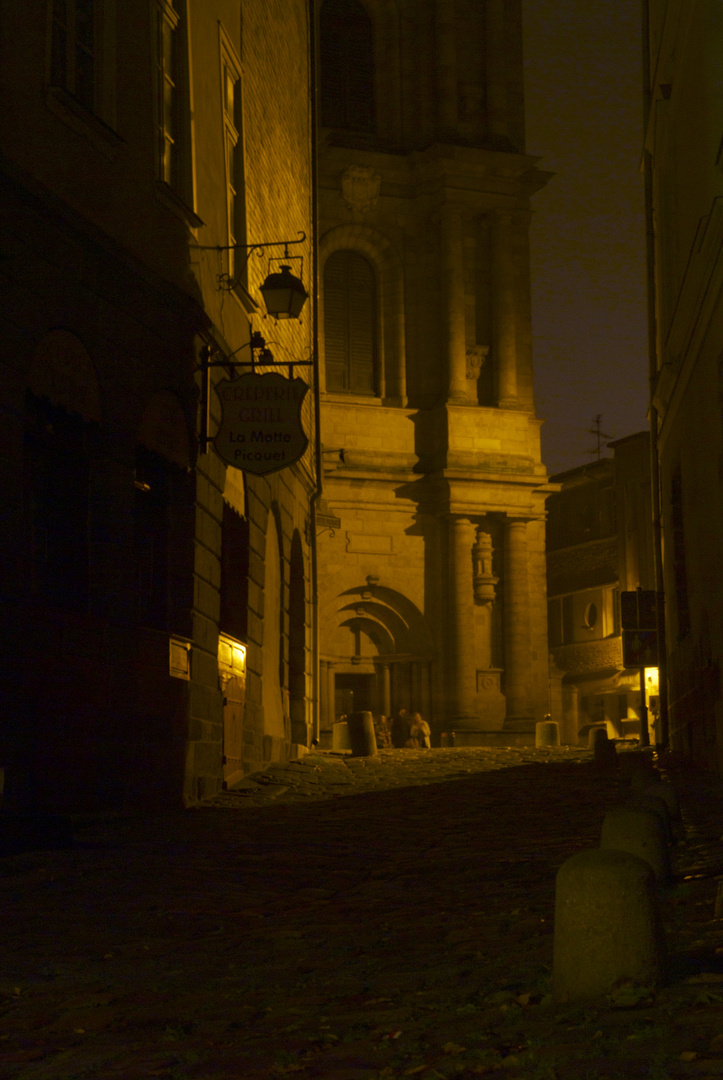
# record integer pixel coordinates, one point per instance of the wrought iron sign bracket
(261, 357)
(226, 281)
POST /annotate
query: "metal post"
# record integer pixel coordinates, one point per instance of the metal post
(644, 734)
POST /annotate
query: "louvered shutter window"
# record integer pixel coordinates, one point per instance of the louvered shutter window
(350, 324)
(347, 66)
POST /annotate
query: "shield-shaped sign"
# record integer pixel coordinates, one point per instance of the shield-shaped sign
(260, 429)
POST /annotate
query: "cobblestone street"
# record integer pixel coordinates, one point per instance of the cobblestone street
(349, 919)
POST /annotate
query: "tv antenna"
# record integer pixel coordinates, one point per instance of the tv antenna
(600, 435)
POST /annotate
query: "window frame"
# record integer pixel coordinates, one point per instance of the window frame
(176, 184)
(234, 156)
(377, 390)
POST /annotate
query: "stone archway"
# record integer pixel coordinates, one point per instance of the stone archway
(378, 647)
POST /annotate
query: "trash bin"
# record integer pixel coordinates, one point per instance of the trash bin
(362, 739)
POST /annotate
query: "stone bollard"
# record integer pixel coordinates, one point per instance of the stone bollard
(638, 832)
(340, 736)
(661, 789)
(362, 739)
(643, 801)
(636, 769)
(604, 752)
(547, 733)
(607, 924)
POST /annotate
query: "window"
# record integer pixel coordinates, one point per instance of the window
(234, 162)
(163, 522)
(346, 49)
(73, 49)
(350, 324)
(173, 111)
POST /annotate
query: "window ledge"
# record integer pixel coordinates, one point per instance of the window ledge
(174, 202)
(82, 121)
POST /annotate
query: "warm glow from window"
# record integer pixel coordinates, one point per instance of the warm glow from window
(231, 655)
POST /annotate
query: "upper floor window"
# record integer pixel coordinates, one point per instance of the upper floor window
(74, 49)
(234, 159)
(173, 111)
(350, 324)
(346, 43)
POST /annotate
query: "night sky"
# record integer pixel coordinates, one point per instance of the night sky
(583, 88)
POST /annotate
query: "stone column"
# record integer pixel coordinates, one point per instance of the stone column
(516, 621)
(504, 308)
(495, 67)
(462, 694)
(453, 317)
(384, 683)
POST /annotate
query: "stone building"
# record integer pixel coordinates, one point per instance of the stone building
(599, 543)
(431, 554)
(684, 187)
(155, 604)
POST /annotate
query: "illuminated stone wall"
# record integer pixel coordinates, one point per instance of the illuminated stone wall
(436, 198)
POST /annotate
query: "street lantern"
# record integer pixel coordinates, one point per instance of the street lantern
(284, 294)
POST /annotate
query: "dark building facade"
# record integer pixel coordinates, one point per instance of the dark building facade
(684, 187)
(599, 543)
(155, 604)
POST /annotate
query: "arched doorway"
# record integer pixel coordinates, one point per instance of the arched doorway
(376, 655)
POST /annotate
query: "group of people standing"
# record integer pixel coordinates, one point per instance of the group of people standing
(403, 730)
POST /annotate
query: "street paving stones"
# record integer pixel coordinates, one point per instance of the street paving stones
(352, 919)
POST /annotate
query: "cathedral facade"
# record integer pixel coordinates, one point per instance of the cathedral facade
(431, 546)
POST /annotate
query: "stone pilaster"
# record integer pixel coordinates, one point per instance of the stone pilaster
(454, 329)
(516, 622)
(504, 311)
(462, 697)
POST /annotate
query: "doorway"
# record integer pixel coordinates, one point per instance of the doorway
(354, 693)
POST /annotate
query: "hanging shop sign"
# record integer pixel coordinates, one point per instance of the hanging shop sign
(261, 430)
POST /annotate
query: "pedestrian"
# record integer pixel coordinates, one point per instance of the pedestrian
(382, 732)
(420, 732)
(400, 729)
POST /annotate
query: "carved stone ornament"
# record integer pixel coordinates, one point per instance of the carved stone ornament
(360, 187)
(476, 356)
(484, 580)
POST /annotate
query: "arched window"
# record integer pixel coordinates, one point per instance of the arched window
(350, 324)
(346, 42)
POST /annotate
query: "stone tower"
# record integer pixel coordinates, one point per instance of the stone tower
(432, 584)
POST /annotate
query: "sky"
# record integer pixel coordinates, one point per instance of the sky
(583, 97)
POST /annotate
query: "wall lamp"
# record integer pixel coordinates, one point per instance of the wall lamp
(284, 293)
